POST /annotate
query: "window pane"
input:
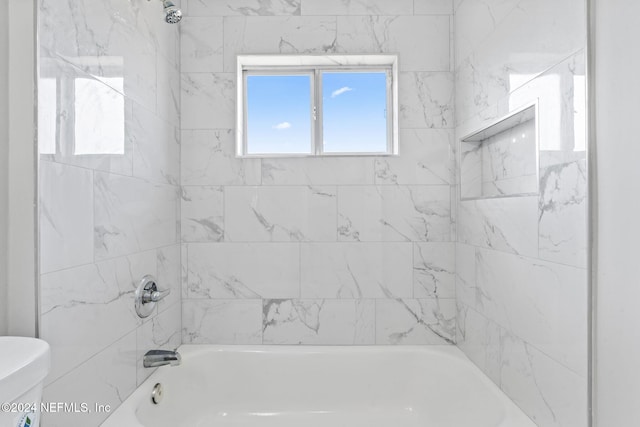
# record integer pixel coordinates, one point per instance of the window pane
(354, 112)
(279, 114)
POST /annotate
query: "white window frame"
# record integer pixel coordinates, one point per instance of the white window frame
(313, 65)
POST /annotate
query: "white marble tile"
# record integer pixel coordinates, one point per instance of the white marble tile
(244, 270)
(208, 101)
(470, 167)
(202, 213)
(480, 339)
(476, 92)
(168, 92)
(66, 216)
(85, 309)
(108, 378)
(184, 6)
(110, 41)
(425, 157)
(243, 7)
(426, 100)
(401, 35)
(356, 270)
(485, 115)
(165, 38)
(466, 290)
(547, 30)
(563, 217)
(318, 171)
(201, 44)
(156, 148)
(546, 391)
(433, 7)
(415, 321)
(561, 93)
(434, 267)
(169, 275)
(277, 34)
(162, 332)
(280, 214)
(328, 322)
(475, 20)
(208, 158)
(132, 215)
(93, 105)
(544, 304)
(184, 270)
(357, 7)
(222, 321)
(453, 196)
(394, 213)
(506, 224)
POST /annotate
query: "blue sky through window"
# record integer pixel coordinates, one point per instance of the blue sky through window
(279, 114)
(354, 112)
(353, 119)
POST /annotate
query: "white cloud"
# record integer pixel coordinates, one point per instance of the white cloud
(282, 126)
(341, 91)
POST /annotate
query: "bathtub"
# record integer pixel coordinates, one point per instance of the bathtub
(265, 386)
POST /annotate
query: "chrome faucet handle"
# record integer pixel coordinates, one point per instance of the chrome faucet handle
(153, 295)
(147, 295)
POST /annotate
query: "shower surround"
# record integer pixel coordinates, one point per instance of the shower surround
(362, 250)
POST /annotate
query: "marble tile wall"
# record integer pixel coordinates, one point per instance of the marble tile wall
(521, 282)
(109, 194)
(318, 250)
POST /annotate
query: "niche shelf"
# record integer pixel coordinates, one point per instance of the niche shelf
(501, 159)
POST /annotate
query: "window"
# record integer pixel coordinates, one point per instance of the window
(317, 105)
(278, 119)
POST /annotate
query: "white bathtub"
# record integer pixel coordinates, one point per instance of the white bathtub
(263, 386)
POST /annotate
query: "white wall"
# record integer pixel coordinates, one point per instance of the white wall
(21, 238)
(617, 151)
(4, 145)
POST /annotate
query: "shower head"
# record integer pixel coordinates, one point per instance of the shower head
(173, 15)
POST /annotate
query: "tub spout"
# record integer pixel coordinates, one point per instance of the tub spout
(155, 358)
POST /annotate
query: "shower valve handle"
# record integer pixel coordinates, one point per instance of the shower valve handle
(147, 295)
(154, 296)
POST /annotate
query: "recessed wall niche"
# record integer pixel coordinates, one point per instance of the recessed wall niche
(501, 159)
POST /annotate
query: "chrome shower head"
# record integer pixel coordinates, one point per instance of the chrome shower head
(173, 15)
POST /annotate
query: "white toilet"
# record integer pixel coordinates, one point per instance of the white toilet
(24, 363)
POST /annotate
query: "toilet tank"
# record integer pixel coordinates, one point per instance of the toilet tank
(24, 364)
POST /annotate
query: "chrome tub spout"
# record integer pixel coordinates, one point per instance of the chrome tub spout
(155, 358)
